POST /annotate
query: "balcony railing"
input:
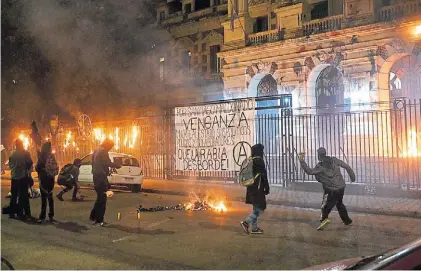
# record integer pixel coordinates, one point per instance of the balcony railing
(401, 10)
(263, 37)
(323, 25)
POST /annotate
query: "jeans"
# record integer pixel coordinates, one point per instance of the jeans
(252, 218)
(332, 198)
(68, 188)
(98, 212)
(47, 186)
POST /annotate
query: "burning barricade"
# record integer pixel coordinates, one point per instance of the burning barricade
(196, 203)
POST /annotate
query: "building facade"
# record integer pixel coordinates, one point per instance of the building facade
(342, 63)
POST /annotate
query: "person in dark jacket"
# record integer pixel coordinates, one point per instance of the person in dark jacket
(256, 193)
(20, 163)
(101, 164)
(328, 173)
(47, 169)
(72, 182)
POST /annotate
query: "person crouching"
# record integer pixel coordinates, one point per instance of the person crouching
(69, 178)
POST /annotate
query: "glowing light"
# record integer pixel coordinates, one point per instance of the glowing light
(117, 139)
(418, 30)
(99, 135)
(67, 140)
(134, 136)
(25, 141)
(412, 150)
(220, 207)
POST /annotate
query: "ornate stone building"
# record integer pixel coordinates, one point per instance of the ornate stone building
(324, 53)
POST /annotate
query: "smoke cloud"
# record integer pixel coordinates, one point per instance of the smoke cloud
(96, 57)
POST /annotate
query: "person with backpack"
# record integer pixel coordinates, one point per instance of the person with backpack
(328, 173)
(101, 164)
(68, 177)
(47, 169)
(20, 163)
(254, 176)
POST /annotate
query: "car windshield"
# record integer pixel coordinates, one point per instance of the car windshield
(126, 161)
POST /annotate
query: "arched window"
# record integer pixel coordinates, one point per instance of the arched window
(329, 88)
(267, 86)
(405, 78)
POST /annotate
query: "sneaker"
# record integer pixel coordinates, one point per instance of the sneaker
(103, 224)
(60, 197)
(323, 224)
(41, 221)
(348, 223)
(257, 231)
(53, 220)
(245, 226)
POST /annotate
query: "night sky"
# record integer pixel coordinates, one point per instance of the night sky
(71, 57)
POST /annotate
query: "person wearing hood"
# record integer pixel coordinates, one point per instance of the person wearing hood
(20, 163)
(256, 193)
(101, 164)
(47, 169)
(328, 173)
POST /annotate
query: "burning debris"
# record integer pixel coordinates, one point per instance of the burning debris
(195, 204)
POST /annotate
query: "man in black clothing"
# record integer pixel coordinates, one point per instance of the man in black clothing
(256, 193)
(101, 164)
(328, 173)
(20, 163)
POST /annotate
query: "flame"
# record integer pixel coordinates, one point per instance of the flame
(205, 203)
(67, 140)
(117, 139)
(412, 150)
(25, 141)
(220, 207)
(99, 135)
(134, 136)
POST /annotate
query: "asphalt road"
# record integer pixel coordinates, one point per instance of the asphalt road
(189, 239)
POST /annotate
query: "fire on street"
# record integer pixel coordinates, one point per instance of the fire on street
(192, 240)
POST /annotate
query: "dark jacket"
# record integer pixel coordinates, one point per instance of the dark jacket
(101, 164)
(20, 164)
(328, 173)
(256, 194)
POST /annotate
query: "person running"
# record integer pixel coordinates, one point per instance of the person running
(101, 164)
(68, 178)
(328, 173)
(256, 193)
(47, 169)
(20, 163)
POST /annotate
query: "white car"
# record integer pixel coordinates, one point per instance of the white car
(129, 174)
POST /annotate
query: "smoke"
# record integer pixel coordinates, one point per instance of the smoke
(98, 57)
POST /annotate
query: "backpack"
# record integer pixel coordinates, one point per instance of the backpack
(246, 176)
(64, 177)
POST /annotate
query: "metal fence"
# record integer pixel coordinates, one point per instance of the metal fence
(381, 143)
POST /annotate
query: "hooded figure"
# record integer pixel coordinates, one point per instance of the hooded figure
(101, 164)
(47, 169)
(328, 173)
(69, 175)
(20, 164)
(256, 193)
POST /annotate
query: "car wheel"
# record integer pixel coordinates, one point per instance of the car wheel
(136, 188)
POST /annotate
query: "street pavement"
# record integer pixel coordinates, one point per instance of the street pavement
(191, 239)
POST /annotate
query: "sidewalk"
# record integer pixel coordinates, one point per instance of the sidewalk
(406, 207)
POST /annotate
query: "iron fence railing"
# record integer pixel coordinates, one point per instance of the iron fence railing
(382, 145)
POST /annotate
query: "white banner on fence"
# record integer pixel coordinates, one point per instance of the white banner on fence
(214, 137)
